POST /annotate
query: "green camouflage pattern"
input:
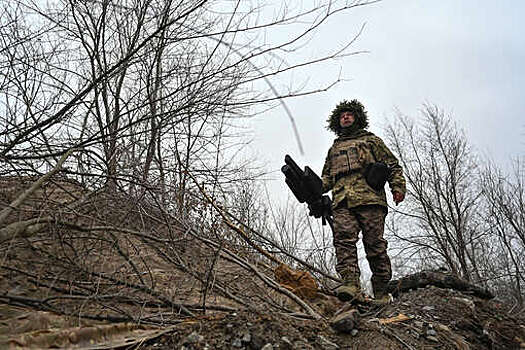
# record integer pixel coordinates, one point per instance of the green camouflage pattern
(343, 171)
(347, 224)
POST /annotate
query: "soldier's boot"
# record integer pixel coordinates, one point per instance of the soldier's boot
(349, 291)
(381, 296)
(382, 300)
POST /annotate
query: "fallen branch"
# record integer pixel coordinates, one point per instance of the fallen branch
(28, 228)
(147, 290)
(438, 279)
(398, 338)
(238, 230)
(24, 229)
(38, 304)
(37, 184)
(265, 279)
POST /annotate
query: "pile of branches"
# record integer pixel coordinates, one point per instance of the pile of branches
(105, 256)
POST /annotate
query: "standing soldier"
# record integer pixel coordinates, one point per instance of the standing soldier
(356, 160)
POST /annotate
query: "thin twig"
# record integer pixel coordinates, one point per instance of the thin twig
(208, 278)
(392, 334)
(269, 282)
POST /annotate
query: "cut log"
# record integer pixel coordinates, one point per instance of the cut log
(438, 279)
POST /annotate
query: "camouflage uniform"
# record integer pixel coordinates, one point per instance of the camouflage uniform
(356, 206)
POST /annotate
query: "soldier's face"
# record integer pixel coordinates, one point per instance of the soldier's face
(346, 119)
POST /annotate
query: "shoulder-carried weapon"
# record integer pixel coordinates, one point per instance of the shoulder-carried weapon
(308, 188)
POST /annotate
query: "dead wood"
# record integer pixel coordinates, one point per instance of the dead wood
(236, 229)
(438, 279)
(242, 233)
(265, 279)
(25, 229)
(393, 334)
(18, 201)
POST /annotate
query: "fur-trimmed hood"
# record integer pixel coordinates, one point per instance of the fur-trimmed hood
(357, 109)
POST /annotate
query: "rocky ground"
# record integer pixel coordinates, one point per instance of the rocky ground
(426, 318)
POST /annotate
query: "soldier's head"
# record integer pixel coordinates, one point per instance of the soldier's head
(347, 117)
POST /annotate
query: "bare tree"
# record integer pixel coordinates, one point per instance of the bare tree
(148, 90)
(505, 199)
(149, 94)
(441, 224)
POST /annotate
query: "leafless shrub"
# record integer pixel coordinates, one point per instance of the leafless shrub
(148, 94)
(440, 225)
(462, 213)
(505, 220)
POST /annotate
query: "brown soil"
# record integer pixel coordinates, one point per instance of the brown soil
(110, 271)
(439, 319)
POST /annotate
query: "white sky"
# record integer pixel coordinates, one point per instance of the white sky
(466, 56)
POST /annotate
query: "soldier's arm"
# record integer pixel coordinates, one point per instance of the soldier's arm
(328, 182)
(396, 180)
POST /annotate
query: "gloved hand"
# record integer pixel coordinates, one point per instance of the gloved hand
(316, 209)
(321, 207)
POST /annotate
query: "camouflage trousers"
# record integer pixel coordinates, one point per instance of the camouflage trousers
(348, 222)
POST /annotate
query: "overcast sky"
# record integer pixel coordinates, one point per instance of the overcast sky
(466, 56)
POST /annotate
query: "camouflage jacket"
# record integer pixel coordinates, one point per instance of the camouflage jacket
(343, 170)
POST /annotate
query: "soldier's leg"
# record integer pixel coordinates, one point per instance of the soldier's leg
(346, 235)
(372, 222)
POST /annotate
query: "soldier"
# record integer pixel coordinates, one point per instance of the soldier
(356, 205)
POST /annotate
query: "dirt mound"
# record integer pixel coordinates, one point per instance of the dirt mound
(123, 271)
(426, 318)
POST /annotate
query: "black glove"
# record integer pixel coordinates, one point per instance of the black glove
(321, 207)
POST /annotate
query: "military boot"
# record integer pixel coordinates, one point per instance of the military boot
(349, 291)
(381, 296)
(382, 300)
